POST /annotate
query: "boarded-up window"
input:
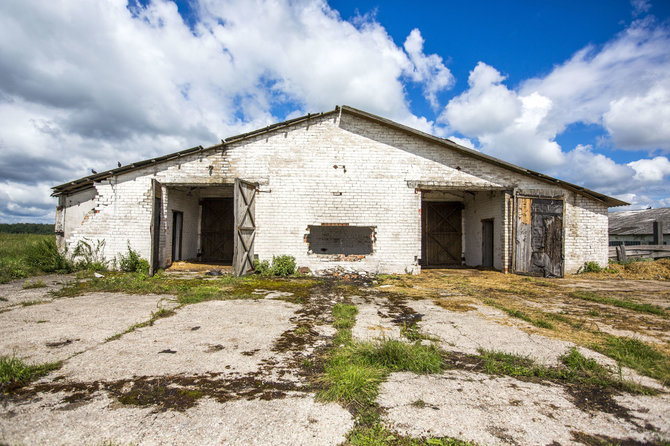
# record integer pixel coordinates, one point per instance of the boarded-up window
(340, 240)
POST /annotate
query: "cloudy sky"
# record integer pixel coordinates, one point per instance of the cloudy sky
(577, 89)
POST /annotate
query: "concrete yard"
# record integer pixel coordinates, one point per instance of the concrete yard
(247, 369)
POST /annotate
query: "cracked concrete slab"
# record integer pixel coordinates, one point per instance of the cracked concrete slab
(15, 293)
(501, 410)
(287, 421)
(232, 336)
(58, 329)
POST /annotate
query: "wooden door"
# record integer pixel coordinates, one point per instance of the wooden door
(441, 233)
(487, 243)
(245, 226)
(539, 237)
(217, 230)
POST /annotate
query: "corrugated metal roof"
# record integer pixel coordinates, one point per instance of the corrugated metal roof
(88, 181)
(638, 222)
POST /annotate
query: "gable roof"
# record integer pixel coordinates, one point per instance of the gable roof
(88, 181)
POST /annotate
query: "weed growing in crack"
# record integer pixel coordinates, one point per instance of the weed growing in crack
(576, 369)
(161, 313)
(354, 370)
(15, 373)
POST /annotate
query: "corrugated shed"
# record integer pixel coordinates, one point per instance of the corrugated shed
(638, 222)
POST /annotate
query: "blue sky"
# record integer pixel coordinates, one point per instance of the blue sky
(576, 89)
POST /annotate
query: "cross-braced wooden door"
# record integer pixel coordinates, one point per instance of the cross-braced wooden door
(245, 226)
(441, 233)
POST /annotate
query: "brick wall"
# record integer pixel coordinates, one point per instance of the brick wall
(337, 170)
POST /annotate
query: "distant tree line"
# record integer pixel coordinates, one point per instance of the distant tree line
(26, 228)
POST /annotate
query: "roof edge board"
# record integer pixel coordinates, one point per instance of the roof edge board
(610, 201)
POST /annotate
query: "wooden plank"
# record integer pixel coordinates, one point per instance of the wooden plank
(523, 236)
(245, 226)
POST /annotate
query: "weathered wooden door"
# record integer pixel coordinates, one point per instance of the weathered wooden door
(539, 237)
(487, 243)
(217, 230)
(441, 233)
(155, 227)
(245, 226)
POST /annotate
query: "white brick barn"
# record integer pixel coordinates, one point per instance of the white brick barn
(343, 188)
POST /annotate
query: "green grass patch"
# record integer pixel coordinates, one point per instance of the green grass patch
(355, 369)
(13, 255)
(638, 356)
(15, 373)
(576, 368)
(520, 315)
(630, 305)
(378, 435)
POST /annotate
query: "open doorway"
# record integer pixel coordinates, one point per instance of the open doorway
(177, 235)
(487, 243)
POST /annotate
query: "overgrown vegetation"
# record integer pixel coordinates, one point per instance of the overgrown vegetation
(281, 266)
(630, 305)
(637, 355)
(354, 370)
(591, 267)
(89, 254)
(132, 262)
(15, 373)
(13, 255)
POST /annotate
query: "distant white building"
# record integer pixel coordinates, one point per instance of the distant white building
(341, 188)
(637, 227)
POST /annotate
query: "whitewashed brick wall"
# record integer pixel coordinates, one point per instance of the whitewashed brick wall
(332, 170)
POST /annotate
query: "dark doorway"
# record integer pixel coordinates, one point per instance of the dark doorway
(487, 243)
(441, 233)
(217, 230)
(177, 230)
(539, 237)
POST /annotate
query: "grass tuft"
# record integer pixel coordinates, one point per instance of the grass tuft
(637, 355)
(15, 373)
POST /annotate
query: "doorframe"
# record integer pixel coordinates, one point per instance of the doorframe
(563, 198)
